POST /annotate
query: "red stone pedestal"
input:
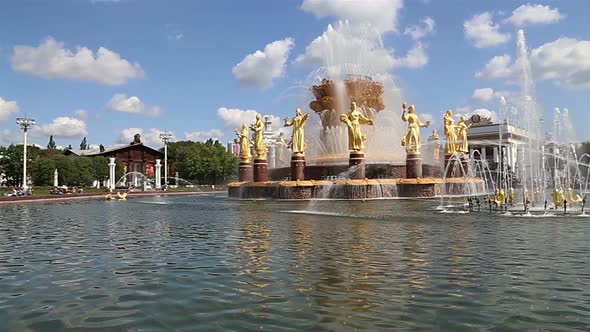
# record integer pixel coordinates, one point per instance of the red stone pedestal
(260, 170)
(357, 160)
(297, 167)
(245, 174)
(413, 166)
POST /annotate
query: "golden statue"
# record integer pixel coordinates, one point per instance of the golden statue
(511, 196)
(435, 143)
(258, 129)
(527, 199)
(412, 139)
(574, 200)
(557, 199)
(462, 144)
(450, 133)
(500, 197)
(298, 137)
(244, 137)
(281, 146)
(353, 121)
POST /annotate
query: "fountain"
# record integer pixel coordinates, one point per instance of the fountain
(352, 147)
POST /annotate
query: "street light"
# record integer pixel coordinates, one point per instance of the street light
(165, 137)
(25, 123)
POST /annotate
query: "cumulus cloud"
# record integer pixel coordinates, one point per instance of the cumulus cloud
(484, 94)
(261, 67)
(8, 136)
(485, 113)
(199, 136)
(383, 14)
(415, 58)
(121, 103)
(7, 108)
(50, 60)
(65, 127)
(235, 117)
(565, 61)
(534, 14)
(418, 32)
(498, 66)
(81, 114)
(482, 32)
(150, 137)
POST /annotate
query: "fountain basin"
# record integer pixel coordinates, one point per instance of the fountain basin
(354, 189)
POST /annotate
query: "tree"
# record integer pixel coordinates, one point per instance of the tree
(51, 145)
(83, 144)
(41, 171)
(11, 162)
(205, 163)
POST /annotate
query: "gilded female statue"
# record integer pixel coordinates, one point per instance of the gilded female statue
(298, 137)
(258, 129)
(462, 144)
(281, 146)
(244, 137)
(353, 120)
(412, 139)
(450, 133)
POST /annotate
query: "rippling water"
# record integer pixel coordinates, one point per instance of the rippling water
(213, 264)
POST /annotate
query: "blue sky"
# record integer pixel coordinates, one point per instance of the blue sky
(108, 69)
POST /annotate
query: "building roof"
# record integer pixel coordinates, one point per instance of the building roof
(108, 150)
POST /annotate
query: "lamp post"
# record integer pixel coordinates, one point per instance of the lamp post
(165, 137)
(25, 123)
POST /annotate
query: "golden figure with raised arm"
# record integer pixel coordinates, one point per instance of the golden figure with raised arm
(353, 120)
(298, 144)
(244, 137)
(462, 144)
(258, 129)
(450, 133)
(412, 139)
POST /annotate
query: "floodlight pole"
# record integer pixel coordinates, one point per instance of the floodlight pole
(165, 137)
(25, 123)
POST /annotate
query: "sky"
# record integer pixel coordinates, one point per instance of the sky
(108, 69)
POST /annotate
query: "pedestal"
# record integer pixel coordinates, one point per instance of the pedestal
(260, 170)
(297, 167)
(245, 171)
(413, 166)
(357, 160)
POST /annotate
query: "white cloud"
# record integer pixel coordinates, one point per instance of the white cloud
(415, 58)
(235, 117)
(81, 114)
(261, 67)
(498, 66)
(482, 31)
(173, 32)
(419, 32)
(484, 94)
(50, 60)
(121, 103)
(149, 137)
(199, 136)
(565, 61)
(534, 14)
(383, 14)
(7, 108)
(9, 136)
(64, 126)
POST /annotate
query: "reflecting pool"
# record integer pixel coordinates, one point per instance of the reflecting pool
(213, 264)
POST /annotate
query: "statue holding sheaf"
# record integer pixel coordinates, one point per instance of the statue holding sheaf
(353, 121)
(411, 141)
(298, 144)
(258, 129)
(244, 137)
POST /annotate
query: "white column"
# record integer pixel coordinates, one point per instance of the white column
(496, 156)
(112, 180)
(166, 163)
(25, 186)
(158, 174)
(55, 178)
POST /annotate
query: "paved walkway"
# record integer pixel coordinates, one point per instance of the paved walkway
(70, 197)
